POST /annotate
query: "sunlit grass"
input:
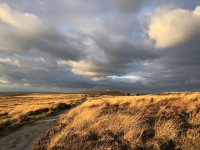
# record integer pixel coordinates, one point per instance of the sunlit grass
(165, 121)
(18, 110)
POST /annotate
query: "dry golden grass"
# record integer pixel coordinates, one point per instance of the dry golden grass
(19, 109)
(154, 122)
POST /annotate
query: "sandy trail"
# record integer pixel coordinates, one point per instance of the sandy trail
(24, 137)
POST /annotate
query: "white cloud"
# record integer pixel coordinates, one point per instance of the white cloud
(22, 21)
(171, 27)
(19, 30)
(3, 80)
(83, 68)
(22, 31)
(127, 77)
(9, 61)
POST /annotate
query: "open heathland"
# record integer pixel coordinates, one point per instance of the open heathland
(155, 122)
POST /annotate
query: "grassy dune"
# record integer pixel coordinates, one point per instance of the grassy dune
(20, 109)
(165, 122)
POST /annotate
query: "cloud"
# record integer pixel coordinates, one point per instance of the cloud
(111, 56)
(170, 27)
(19, 20)
(9, 61)
(129, 5)
(83, 45)
(25, 31)
(3, 81)
(83, 68)
(39, 73)
(17, 28)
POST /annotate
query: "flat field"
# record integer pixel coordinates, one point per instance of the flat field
(168, 121)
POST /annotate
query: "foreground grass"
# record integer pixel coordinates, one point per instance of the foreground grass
(154, 122)
(18, 110)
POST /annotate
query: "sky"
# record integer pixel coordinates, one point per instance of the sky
(144, 46)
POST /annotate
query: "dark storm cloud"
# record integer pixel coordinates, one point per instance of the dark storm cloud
(36, 71)
(99, 45)
(25, 31)
(61, 46)
(175, 70)
(121, 55)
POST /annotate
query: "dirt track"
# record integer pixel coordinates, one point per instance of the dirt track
(23, 138)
